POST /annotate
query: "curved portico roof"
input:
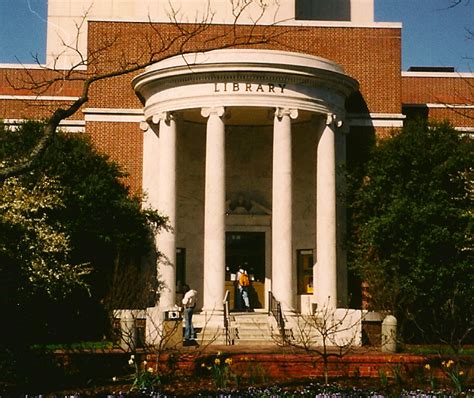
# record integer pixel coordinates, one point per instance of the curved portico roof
(244, 78)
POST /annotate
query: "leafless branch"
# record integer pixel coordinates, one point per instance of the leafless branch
(96, 66)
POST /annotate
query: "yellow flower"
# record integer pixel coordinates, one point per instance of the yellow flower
(217, 361)
(427, 366)
(218, 353)
(228, 361)
(144, 362)
(461, 372)
(150, 370)
(130, 361)
(132, 357)
(443, 363)
(450, 362)
(203, 365)
(114, 378)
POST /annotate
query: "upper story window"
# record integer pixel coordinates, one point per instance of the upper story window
(323, 10)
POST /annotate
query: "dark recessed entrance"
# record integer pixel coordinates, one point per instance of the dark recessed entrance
(246, 250)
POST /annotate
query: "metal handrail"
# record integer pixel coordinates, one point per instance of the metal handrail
(274, 308)
(227, 320)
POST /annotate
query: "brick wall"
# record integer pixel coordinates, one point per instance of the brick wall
(439, 90)
(370, 55)
(124, 143)
(453, 98)
(288, 365)
(32, 83)
(31, 109)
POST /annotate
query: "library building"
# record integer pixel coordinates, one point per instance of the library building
(239, 131)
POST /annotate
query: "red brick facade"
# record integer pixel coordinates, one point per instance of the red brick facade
(441, 98)
(124, 143)
(370, 55)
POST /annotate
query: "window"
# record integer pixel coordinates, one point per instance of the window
(323, 10)
(305, 263)
(180, 269)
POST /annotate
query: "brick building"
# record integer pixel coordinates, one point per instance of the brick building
(238, 141)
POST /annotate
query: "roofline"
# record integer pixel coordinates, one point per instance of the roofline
(464, 75)
(295, 23)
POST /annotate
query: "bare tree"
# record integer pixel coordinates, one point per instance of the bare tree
(156, 349)
(454, 3)
(109, 60)
(327, 333)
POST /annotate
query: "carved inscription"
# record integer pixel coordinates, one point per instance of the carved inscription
(229, 87)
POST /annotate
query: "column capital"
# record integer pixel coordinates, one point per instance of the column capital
(332, 118)
(281, 112)
(214, 110)
(144, 126)
(163, 117)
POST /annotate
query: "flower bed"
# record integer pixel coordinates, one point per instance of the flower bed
(237, 374)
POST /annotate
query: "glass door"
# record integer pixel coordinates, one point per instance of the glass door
(246, 250)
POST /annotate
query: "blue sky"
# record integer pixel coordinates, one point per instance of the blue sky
(433, 35)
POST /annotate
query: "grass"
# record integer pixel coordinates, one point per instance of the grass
(80, 346)
(436, 350)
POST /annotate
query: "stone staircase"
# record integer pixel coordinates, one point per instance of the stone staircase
(258, 328)
(246, 328)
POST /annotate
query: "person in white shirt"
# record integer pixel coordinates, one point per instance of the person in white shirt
(189, 303)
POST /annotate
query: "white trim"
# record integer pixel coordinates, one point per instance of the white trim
(374, 115)
(69, 126)
(375, 123)
(38, 98)
(44, 67)
(465, 75)
(376, 119)
(342, 24)
(433, 105)
(114, 111)
(469, 130)
(20, 65)
(113, 115)
(292, 22)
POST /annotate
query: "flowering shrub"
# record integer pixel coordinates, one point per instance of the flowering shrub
(33, 241)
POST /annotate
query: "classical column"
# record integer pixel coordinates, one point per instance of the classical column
(214, 211)
(166, 241)
(282, 250)
(325, 271)
(150, 187)
(151, 145)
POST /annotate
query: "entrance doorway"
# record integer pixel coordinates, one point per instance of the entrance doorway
(246, 250)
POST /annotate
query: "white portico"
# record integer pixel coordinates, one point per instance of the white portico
(222, 126)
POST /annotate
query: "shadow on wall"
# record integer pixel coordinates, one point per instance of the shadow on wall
(360, 140)
(323, 10)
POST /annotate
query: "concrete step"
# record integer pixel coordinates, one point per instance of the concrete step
(253, 328)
